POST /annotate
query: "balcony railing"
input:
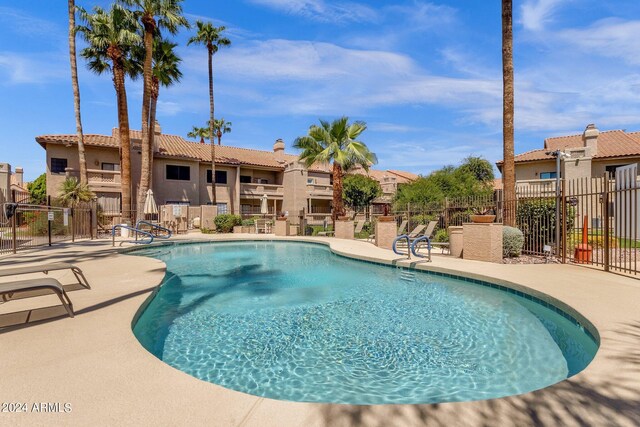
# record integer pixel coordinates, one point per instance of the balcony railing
(319, 190)
(101, 177)
(259, 190)
(320, 210)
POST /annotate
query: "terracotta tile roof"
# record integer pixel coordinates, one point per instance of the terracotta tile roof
(174, 146)
(613, 143)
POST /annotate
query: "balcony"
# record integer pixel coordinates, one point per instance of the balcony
(103, 180)
(256, 191)
(320, 191)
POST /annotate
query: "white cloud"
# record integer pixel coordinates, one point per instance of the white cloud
(321, 10)
(537, 13)
(18, 68)
(610, 37)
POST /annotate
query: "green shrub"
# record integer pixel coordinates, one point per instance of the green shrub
(248, 222)
(423, 219)
(512, 242)
(225, 222)
(38, 223)
(206, 230)
(441, 236)
(537, 221)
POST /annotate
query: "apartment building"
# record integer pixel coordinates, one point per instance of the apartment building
(182, 174)
(587, 155)
(11, 182)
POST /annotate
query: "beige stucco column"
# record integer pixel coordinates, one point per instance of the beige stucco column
(236, 193)
(385, 233)
(482, 242)
(282, 227)
(344, 229)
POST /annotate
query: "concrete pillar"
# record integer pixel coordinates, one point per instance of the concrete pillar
(282, 227)
(456, 241)
(385, 233)
(344, 229)
(482, 242)
(5, 182)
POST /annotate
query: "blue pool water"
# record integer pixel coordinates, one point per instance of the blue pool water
(294, 321)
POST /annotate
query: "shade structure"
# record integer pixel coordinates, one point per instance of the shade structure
(264, 207)
(150, 207)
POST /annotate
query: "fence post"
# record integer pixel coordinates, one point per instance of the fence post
(49, 222)
(73, 225)
(563, 238)
(605, 200)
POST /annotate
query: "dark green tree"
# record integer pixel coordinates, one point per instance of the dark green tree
(479, 167)
(360, 190)
(38, 190)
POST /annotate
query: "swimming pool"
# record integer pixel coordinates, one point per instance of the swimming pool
(293, 321)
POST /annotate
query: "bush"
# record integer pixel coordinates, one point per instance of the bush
(248, 222)
(441, 236)
(595, 240)
(512, 242)
(537, 220)
(225, 222)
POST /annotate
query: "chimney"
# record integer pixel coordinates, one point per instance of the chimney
(590, 139)
(19, 174)
(278, 149)
(156, 128)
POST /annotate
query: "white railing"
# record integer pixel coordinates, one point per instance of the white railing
(260, 189)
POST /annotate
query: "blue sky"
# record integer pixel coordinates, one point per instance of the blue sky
(425, 76)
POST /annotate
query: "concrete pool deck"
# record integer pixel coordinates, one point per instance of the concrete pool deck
(94, 363)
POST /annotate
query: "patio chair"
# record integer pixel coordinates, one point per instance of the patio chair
(263, 226)
(10, 288)
(359, 226)
(46, 268)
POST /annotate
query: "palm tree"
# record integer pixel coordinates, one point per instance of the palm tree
(508, 168)
(221, 127)
(209, 36)
(165, 73)
(111, 37)
(336, 143)
(197, 132)
(155, 15)
(76, 90)
(72, 192)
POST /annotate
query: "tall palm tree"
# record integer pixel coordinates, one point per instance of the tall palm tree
(197, 132)
(336, 143)
(221, 126)
(112, 36)
(165, 73)
(211, 37)
(508, 168)
(76, 90)
(155, 15)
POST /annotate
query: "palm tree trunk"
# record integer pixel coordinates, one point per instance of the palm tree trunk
(149, 28)
(338, 205)
(508, 168)
(155, 93)
(76, 91)
(213, 144)
(125, 141)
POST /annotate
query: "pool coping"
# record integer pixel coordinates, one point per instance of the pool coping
(65, 360)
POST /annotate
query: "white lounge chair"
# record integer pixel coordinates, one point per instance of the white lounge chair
(10, 288)
(46, 268)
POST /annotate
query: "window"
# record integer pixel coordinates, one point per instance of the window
(58, 165)
(547, 175)
(110, 167)
(179, 173)
(222, 208)
(221, 177)
(311, 181)
(245, 179)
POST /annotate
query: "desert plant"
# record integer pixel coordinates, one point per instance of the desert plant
(512, 242)
(72, 192)
(537, 221)
(441, 236)
(248, 222)
(225, 222)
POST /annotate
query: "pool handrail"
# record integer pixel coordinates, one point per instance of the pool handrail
(135, 230)
(156, 226)
(414, 247)
(402, 237)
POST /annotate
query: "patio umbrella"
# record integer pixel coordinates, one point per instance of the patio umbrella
(264, 208)
(150, 207)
